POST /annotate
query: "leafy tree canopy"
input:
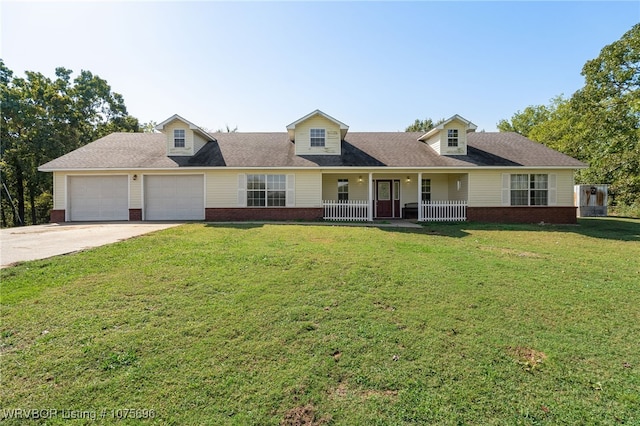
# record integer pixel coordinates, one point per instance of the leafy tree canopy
(44, 118)
(600, 123)
(423, 125)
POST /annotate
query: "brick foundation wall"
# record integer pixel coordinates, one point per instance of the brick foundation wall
(135, 214)
(248, 213)
(56, 216)
(522, 214)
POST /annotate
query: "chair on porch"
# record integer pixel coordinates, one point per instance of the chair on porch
(410, 211)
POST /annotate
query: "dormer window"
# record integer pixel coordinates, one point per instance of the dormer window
(317, 137)
(452, 137)
(179, 138)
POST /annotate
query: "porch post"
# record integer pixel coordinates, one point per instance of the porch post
(370, 218)
(420, 218)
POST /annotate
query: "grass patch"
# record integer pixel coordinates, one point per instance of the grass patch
(299, 324)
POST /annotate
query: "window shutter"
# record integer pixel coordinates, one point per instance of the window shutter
(506, 188)
(242, 190)
(553, 192)
(291, 190)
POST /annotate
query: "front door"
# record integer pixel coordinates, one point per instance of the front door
(384, 199)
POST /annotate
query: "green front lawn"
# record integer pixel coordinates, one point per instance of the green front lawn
(272, 324)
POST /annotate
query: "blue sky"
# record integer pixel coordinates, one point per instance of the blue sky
(376, 66)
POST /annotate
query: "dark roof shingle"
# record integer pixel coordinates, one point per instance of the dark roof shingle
(359, 149)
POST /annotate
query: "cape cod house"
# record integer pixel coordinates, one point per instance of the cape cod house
(314, 170)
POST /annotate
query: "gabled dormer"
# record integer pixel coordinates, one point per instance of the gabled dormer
(450, 136)
(317, 134)
(183, 137)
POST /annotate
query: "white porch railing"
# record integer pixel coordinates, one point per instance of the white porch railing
(352, 210)
(444, 211)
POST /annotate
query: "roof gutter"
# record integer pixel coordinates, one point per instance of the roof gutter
(315, 168)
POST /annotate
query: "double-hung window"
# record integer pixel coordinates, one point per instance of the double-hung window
(317, 137)
(266, 190)
(343, 189)
(426, 190)
(529, 190)
(179, 138)
(539, 190)
(452, 137)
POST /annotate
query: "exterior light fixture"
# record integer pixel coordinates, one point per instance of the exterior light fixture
(360, 178)
(135, 177)
(408, 178)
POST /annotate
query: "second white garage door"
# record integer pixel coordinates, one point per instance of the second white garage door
(174, 197)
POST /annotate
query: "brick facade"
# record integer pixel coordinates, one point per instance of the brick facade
(474, 214)
(57, 216)
(262, 213)
(135, 214)
(522, 214)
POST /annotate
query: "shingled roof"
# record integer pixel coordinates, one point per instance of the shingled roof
(364, 149)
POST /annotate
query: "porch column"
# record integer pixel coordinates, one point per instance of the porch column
(420, 218)
(370, 218)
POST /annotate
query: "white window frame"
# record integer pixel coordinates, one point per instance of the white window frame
(531, 189)
(343, 189)
(317, 137)
(179, 141)
(425, 196)
(270, 188)
(452, 138)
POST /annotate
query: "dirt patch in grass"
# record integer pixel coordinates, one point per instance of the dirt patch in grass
(513, 252)
(303, 415)
(529, 358)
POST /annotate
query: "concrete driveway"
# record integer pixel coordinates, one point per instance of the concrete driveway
(42, 241)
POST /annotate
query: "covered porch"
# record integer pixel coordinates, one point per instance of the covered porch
(366, 196)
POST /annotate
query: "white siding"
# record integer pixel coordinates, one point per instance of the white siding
(564, 187)
(59, 188)
(189, 139)
(198, 143)
(454, 192)
(332, 137)
(461, 149)
(308, 189)
(409, 190)
(135, 190)
(357, 190)
(222, 187)
(434, 142)
(485, 187)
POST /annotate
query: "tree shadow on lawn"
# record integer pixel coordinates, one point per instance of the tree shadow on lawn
(610, 228)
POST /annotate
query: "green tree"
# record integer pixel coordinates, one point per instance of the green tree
(149, 127)
(44, 118)
(423, 125)
(610, 104)
(600, 123)
(523, 122)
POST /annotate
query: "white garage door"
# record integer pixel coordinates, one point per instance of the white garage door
(98, 198)
(174, 197)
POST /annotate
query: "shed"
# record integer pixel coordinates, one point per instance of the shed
(591, 200)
